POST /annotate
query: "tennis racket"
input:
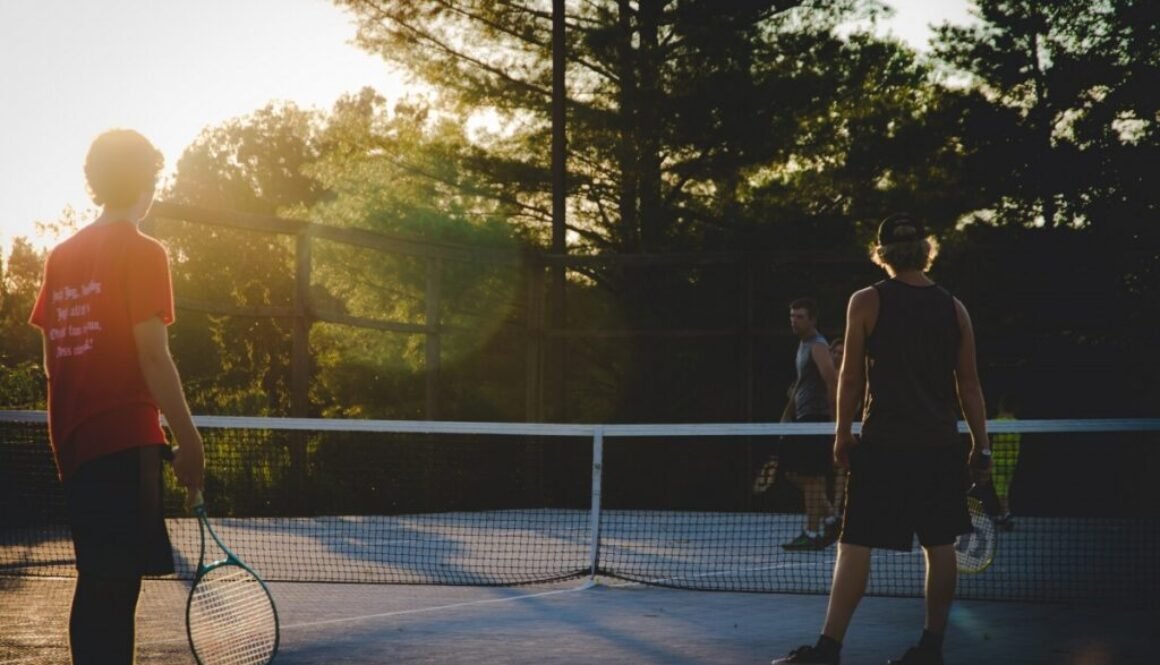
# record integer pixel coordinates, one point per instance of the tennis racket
(230, 616)
(975, 551)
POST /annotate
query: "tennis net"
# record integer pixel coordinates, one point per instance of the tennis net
(412, 502)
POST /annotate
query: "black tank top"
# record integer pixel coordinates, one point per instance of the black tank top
(912, 354)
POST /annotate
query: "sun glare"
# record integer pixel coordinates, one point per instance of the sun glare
(168, 70)
(172, 69)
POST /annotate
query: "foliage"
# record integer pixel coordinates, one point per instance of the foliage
(20, 278)
(1057, 123)
(771, 132)
(677, 111)
(361, 166)
(239, 364)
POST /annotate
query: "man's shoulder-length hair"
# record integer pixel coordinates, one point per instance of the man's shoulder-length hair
(906, 255)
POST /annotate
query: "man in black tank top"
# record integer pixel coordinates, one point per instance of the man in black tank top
(911, 344)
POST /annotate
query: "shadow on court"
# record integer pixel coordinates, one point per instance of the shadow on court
(634, 625)
(646, 625)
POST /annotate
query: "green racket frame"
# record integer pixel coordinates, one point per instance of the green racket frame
(203, 569)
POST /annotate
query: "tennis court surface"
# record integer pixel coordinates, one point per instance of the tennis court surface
(634, 624)
(388, 541)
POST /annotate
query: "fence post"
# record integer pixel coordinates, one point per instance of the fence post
(431, 361)
(749, 357)
(534, 354)
(300, 352)
(300, 364)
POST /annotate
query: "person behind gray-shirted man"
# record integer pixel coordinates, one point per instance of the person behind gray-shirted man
(806, 460)
(913, 341)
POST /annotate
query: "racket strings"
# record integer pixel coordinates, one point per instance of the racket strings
(975, 551)
(231, 619)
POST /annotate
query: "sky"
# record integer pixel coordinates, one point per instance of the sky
(171, 68)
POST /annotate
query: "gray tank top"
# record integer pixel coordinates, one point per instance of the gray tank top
(809, 395)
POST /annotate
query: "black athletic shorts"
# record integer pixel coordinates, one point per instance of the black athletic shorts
(808, 454)
(894, 493)
(115, 513)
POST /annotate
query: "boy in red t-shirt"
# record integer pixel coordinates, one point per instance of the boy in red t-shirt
(102, 309)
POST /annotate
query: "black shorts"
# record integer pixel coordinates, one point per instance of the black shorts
(116, 516)
(808, 454)
(894, 493)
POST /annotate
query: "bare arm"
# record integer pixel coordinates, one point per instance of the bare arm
(825, 365)
(969, 387)
(852, 378)
(165, 386)
(860, 313)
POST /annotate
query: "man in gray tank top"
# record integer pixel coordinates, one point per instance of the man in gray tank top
(806, 459)
(911, 344)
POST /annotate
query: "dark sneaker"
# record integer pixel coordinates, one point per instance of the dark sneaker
(917, 656)
(804, 543)
(808, 656)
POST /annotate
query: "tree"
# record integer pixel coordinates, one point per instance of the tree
(22, 383)
(255, 164)
(363, 166)
(1056, 121)
(400, 170)
(693, 126)
(670, 103)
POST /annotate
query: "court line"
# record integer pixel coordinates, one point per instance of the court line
(422, 610)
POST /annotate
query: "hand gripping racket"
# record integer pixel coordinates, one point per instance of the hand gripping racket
(230, 616)
(975, 551)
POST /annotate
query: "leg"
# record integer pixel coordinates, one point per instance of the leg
(119, 536)
(851, 572)
(817, 505)
(813, 536)
(941, 575)
(102, 621)
(941, 578)
(942, 515)
(808, 464)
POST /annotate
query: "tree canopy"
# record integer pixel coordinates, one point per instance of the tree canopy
(769, 134)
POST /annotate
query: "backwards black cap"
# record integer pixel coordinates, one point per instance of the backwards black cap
(900, 227)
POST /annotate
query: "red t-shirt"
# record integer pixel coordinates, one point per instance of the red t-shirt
(97, 285)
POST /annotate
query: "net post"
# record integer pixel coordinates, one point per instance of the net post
(594, 515)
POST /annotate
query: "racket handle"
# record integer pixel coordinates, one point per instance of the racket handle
(195, 500)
